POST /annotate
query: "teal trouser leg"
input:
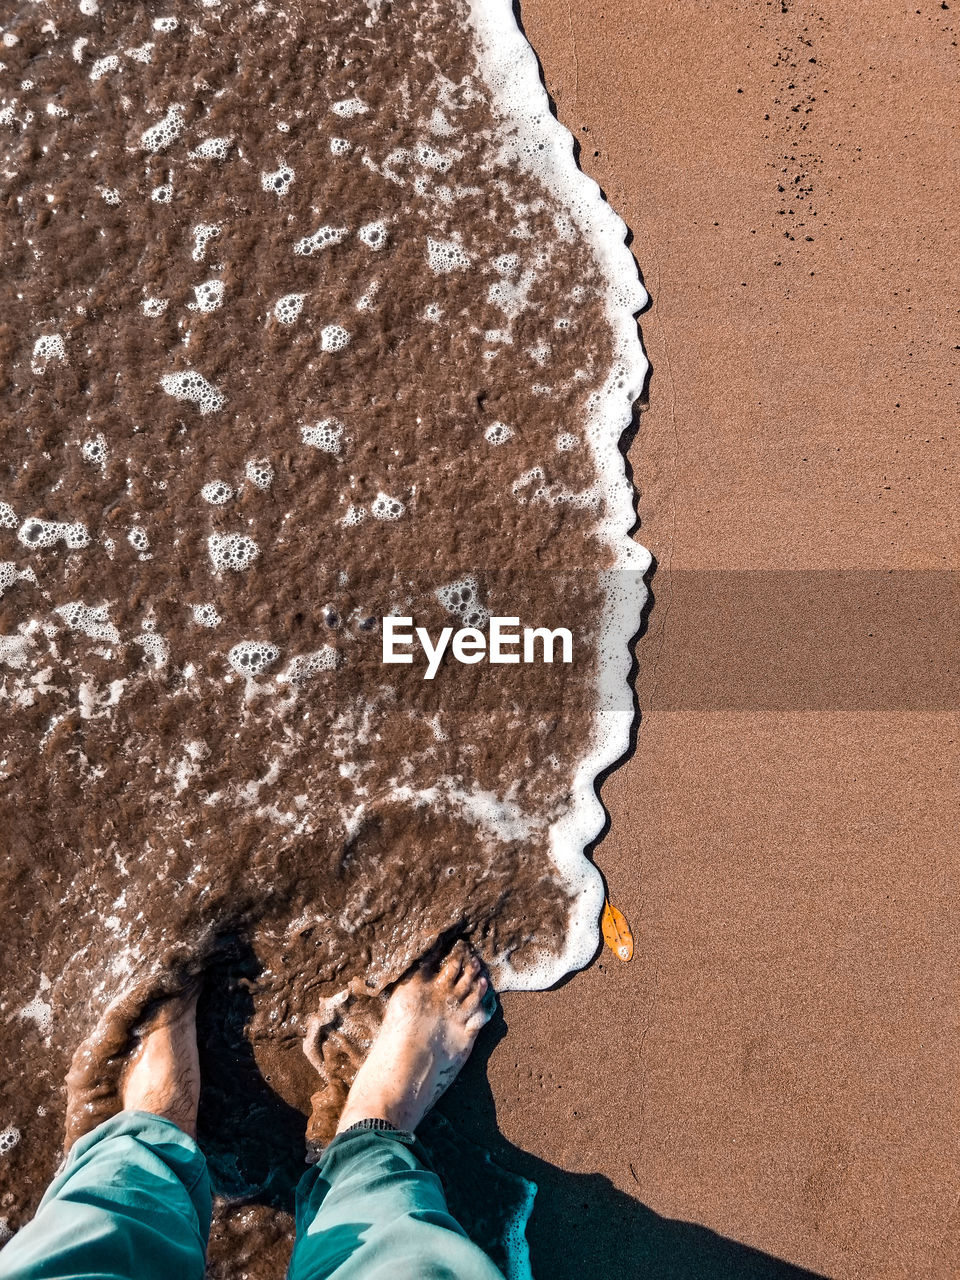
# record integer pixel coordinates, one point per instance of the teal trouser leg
(131, 1203)
(371, 1210)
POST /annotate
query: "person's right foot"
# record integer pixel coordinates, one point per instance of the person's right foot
(129, 1063)
(430, 1025)
(163, 1075)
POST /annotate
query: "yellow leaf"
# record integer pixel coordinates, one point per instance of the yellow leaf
(616, 932)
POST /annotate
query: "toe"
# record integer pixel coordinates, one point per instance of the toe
(474, 997)
(452, 967)
(472, 968)
(477, 1021)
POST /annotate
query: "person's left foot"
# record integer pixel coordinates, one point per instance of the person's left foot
(432, 1018)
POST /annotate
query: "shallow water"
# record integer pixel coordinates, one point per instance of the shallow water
(307, 319)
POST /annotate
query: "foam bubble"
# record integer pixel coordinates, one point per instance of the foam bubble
(159, 136)
(205, 615)
(212, 149)
(94, 701)
(39, 1010)
(103, 65)
(308, 664)
(47, 348)
(500, 816)
(374, 234)
(320, 239)
(193, 386)
(440, 125)
(339, 146)
(511, 297)
(35, 533)
(15, 650)
(166, 25)
(8, 517)
(251, 657)
(326, 435)
(232, 550)
(567, 441)
(462, 599)
(162, 194)
(446, 255)
(142, 53)
(288, 308)
(354, 515)
(209, 296)
(92, 621)
(366, 300)
(203, 233)
(279, 181)
(9, 1138)
(384, 507)
(348, 107)
(431, 158)
(138, 538)
(94, 451)
(498, 433)
(154, 647)
(259, 471)
(217, 491)
(432, 312)
(534, 482)
(154, 307)
(333, 337)
(10, 574)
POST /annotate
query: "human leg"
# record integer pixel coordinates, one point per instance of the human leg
(132, 1202)
(372, 1207)
(132, 1199)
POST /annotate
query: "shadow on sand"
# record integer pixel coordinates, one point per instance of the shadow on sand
(584, 1226)
(581, 1226)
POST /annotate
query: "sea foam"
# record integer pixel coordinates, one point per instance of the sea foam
(540, 144)
(302, 348)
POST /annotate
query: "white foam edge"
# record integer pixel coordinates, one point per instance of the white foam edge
(509, 68)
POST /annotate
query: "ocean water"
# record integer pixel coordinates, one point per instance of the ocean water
(307, 317)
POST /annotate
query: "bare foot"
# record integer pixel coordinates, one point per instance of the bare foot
(163, 1074)
(131, 1062)
(428, 1030)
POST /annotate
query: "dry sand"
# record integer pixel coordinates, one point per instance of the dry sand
(778, 1064)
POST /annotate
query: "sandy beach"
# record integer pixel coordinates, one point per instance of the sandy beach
(768, 1088)
(776, 1067)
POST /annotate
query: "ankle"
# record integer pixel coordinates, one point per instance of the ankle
(374, 1107)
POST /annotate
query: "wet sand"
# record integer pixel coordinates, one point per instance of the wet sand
(257, 357)
(778, 1063)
